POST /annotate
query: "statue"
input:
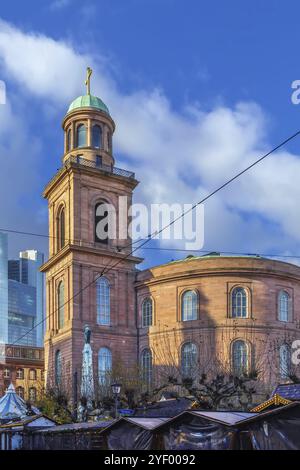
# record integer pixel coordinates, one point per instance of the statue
(87, 334)
(87, 375)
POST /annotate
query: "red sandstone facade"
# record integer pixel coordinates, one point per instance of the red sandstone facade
(214, 331)
(77, 259)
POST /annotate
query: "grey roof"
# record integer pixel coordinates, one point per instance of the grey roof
(288, 391)
(164, 409)
(226, 417)
(13, 406)
(147, 423)
(77, 427)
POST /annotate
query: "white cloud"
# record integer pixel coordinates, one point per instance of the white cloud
(59, 4)
(179, 156)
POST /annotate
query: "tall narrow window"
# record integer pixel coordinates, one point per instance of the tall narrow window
(60, 223)
(109, 142)
(96, 137)
(285, 361)
(146, 364)
(98, 161)
(188, 359)
(61, 304)
(283, 306)
(147, 313)
(58, 367)
(101, 222)
(81, 136)
(69, 141)
(32, 394)
(189, 307)
(104, 365)
(240, 357)
(103, 301)
(20, 374)
(239, 304)
(20, 392)
(32, 374)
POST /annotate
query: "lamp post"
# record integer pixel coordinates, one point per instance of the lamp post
(116, 389)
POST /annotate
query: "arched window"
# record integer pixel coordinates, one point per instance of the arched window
(240, 357)
(32, 394)
(58, 367)
(189, 307)
(188, 359)
(147, 313)
(109, 141)
(61, 304)
(146, 363)
(101, 222)
(285, 361)
(103, 301)
(81, 136)
(32, 374)
(20, 374)
(60, 224)
(69, 140)
(239, 303)
(96, 137)
(20, 392)
(104, 365)
(283, 306)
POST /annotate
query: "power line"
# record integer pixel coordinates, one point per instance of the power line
(266, 255)
(150, 236)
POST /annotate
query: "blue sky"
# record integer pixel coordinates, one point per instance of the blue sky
(198, 90)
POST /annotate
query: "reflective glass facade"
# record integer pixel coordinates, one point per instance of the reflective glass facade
(3, 288)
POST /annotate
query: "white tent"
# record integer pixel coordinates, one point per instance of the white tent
(12, 406)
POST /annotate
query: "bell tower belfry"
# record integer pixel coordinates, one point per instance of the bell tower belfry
(90, 272)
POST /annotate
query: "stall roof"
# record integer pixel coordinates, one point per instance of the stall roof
(166, 408)
(288, 391)
(78, 427)
(30, 420)
(266, 414)
(149, 424)
(224, 417)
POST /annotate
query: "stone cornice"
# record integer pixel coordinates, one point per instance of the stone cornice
(79, 169)
(215, 271)
(70, 248)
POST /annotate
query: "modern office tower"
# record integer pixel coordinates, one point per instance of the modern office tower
(3, 288)
(31, 261)
(21, 314)
(26, 299)
(14, 269)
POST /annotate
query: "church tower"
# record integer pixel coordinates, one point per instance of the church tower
(90, 273)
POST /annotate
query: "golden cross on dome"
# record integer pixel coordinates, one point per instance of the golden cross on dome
(88, 80)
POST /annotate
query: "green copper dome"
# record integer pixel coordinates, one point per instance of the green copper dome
(88, 101)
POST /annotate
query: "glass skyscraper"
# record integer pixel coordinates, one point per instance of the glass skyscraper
(30, 262)
(22, 301)
(3, 288)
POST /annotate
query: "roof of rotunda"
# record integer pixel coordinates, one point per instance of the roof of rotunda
(88, 101)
